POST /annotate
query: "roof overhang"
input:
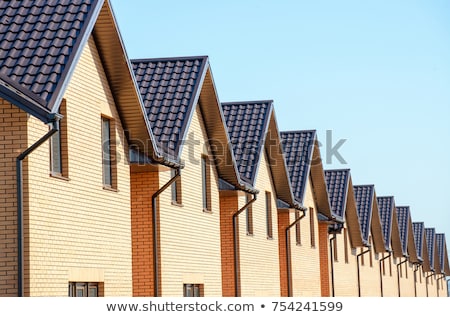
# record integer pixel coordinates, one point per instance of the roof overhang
(122, 83)
(351, 218)
(375, 226)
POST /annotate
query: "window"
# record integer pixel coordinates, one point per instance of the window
(249, 215)
(58, 147)
(345, 245)
(108, 150)
(84, 289)
(298, 237)
(269, 215)
(193, 290)
(206, 183)
(176, 189)
(335, 249)
(311, 225)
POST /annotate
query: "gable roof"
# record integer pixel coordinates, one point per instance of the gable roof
(247, 124)
(49, 37)
(40, 43)
(389, 222)
(252, 129)
(369, 216)
(303, 160)
(430, 237)
(343, 205)
(442, 252)
(421, 245)
(406, 234)
(171, 89)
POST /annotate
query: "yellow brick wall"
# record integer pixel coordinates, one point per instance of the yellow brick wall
(13, 140)
(345, 273)
(406, 273)
(190, 237)
(420, 284)
(305, 258)
(259, 258)
(370, 275)
(390, 284)
(76, 230)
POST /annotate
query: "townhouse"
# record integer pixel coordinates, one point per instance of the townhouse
(304, 232)
(423, 266)
(131, 178)
(392, 246)
(181, 200)
(257, 149)
(65, 181)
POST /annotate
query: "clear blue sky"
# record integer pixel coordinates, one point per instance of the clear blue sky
(376, 73)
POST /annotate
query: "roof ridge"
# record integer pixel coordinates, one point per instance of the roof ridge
(172, 58)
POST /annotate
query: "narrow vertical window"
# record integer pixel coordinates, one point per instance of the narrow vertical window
(206, 183)
(55, 154)
(58, 147)
(175, 189)
(406, 269)
(108, 153)
(249, 215)
(335, 250)
(298, 237)
(311, 227)
(269, 215)
(345, 245)
(390, 266)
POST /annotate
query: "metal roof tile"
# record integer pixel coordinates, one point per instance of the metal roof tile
(298, 147)
(430, 235)
(170, 88)
(403, 218)
(386, 208)
(247, 124)
(337, 186)
(38, 43)
(419, 231)
(364, 195)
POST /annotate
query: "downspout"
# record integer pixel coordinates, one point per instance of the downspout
(237, 287)
(437, 283)
(332, 263)
(288, 251)
(357, 261)
(381, 272)
(398, 275)
(155, 231)
(426, 281)
(54, 121)
(416, 268)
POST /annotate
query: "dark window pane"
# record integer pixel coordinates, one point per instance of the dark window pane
(106, 152)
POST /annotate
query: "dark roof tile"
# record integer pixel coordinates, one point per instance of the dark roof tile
(170, 88)
(364, 195)
(38, 43)
(403, 218)
(298, 147)
(440, 242)
(386, 209)
(430, 235)
(337, 186)
(419, 231)
(247, 124)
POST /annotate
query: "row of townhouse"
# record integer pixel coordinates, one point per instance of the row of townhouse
(127, 177)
